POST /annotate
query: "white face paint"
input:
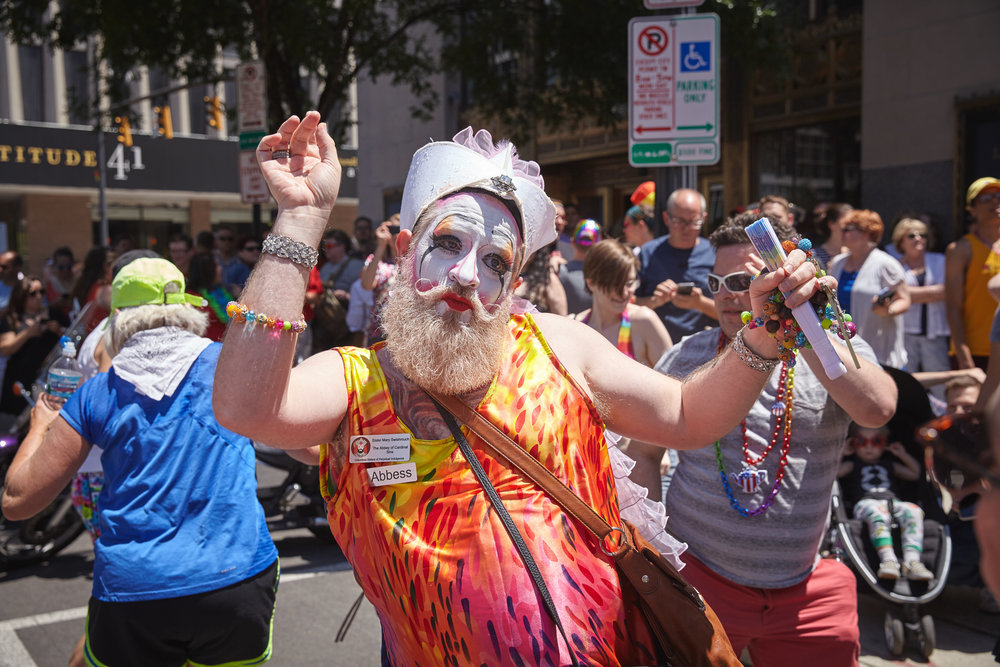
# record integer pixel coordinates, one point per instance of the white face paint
(470, 241)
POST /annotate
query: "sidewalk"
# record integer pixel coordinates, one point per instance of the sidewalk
(965, 636)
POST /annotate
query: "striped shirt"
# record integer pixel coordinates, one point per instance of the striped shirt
(780, 547)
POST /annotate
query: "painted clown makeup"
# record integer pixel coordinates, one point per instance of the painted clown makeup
(471, 241)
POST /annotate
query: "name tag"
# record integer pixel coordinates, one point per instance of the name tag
(397, 474)
(384, 448)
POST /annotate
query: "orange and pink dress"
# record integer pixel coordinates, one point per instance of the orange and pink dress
(433, 558)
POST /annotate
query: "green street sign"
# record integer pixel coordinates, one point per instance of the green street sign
(249, 140)
(658, 153)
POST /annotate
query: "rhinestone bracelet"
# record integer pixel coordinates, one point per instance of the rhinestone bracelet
(749, 357)
(283, 246)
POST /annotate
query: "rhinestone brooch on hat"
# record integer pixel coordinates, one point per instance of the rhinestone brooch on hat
(503, 184)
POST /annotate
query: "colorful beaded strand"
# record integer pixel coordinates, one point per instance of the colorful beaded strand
(240, 313)
(779, 476)
(786, 387)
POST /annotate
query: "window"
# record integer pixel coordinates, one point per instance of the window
(809, 163)
(78, 88)
(33, 84)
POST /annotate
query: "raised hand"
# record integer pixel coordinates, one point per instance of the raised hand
(300, 165)
(383, 235)
(796, 279)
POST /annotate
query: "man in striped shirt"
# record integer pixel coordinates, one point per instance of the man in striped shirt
(753, 522)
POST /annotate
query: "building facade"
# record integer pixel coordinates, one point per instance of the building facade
(891, 105)
(52, 159)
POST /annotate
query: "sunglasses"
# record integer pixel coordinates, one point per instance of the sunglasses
(916, 235)
(861, 441)
(736, 282)
(64, 267)
(35, 292)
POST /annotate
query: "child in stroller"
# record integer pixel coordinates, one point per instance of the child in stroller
(905, 622)
(869, 478)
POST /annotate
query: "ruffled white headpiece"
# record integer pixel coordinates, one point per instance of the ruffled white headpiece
(472, 160)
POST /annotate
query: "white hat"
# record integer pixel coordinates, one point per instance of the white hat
(441, 168)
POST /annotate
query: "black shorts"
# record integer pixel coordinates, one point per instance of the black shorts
(228, 626)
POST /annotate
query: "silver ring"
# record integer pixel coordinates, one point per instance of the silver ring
(281, 154)
(622, 546)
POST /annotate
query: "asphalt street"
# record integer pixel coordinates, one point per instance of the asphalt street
(43, 609)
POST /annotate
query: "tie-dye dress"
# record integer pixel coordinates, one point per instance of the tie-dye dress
(434, 559)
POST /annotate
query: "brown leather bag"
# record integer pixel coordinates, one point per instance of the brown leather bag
(688, 632)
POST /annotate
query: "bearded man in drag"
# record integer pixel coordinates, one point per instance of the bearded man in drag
(430, 554)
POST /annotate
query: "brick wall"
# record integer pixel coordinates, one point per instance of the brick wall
(51, 221)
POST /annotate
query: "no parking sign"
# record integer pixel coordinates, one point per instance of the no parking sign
(673, 90)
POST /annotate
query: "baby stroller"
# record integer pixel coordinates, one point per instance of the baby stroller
(904, 622)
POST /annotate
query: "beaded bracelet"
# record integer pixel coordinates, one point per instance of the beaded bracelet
(240, 313)
(779, 322)
(749, 357)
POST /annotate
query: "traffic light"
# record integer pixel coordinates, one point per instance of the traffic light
(213, 108)
(164, 124)
(124, 130)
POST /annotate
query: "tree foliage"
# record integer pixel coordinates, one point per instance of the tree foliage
(539, 65)
(335, 41)
(533, 65)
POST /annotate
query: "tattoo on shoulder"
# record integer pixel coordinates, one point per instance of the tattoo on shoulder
(414, 407)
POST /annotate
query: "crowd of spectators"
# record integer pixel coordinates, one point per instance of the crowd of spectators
(672, 302)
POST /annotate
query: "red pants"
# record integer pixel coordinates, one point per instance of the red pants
(813, 623)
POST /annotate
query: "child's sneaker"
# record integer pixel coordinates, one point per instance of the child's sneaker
(888, 569)
(917, 571)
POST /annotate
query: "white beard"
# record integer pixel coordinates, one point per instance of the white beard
(438, 348)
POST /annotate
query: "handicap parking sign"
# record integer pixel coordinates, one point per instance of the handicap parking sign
(696, 56)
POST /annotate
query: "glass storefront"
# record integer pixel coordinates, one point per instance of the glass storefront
(809, 163)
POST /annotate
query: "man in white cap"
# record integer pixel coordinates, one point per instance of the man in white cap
(969, 263)
(427, 548)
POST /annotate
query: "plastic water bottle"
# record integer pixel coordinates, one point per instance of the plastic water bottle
(64, 374)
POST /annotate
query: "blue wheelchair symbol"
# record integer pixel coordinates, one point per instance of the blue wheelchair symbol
(696, 56)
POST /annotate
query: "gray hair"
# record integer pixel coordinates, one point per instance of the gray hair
(672, 199)
(129, 321)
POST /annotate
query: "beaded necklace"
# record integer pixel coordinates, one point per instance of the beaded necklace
(750, 477)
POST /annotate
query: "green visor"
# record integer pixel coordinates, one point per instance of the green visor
(150, 282)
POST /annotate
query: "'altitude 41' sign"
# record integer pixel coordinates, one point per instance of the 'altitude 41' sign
(674, 90)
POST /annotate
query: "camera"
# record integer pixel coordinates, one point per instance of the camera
(684, 288)
(393, 229)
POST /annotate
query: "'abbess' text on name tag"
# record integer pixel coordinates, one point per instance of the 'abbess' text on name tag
(397, 474)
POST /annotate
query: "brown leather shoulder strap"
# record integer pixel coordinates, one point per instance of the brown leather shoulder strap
(527, 464)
